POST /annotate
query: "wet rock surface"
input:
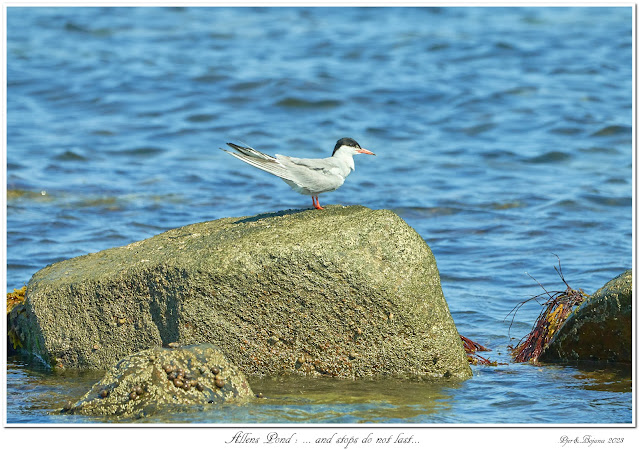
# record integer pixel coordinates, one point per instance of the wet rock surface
(346, 291)
(143, 383)
(600, 330)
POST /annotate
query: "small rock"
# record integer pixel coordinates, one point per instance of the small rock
(135, 378)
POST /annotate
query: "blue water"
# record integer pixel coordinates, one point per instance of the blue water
(503, 136)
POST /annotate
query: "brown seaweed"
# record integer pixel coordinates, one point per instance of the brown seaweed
(471, 347)
(557, 308)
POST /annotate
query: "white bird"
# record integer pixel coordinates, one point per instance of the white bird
(306, 176)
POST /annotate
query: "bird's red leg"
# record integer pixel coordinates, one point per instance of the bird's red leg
(317, 205)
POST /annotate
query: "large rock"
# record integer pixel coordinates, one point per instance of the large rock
(145, 382)
(347, 291)
(600, 330)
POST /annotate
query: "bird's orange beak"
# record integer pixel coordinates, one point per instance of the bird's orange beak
(363, 150)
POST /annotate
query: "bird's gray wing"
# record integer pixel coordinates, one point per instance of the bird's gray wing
(260, 160)
(315, 174)
(321, 165)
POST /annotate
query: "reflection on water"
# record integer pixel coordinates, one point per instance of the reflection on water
(329, 400)
(616, 378)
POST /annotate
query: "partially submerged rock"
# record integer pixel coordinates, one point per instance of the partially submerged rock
(144, 383)
(347, 291)
(600, 330)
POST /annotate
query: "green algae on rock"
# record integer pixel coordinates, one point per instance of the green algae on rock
(145, 382)
(600, 330)
(346, 291)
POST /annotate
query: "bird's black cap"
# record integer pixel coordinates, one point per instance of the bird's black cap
(346, 141)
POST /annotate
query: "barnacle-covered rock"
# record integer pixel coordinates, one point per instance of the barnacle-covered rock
(140, 384)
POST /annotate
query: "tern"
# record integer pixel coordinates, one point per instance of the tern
(306, 176)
